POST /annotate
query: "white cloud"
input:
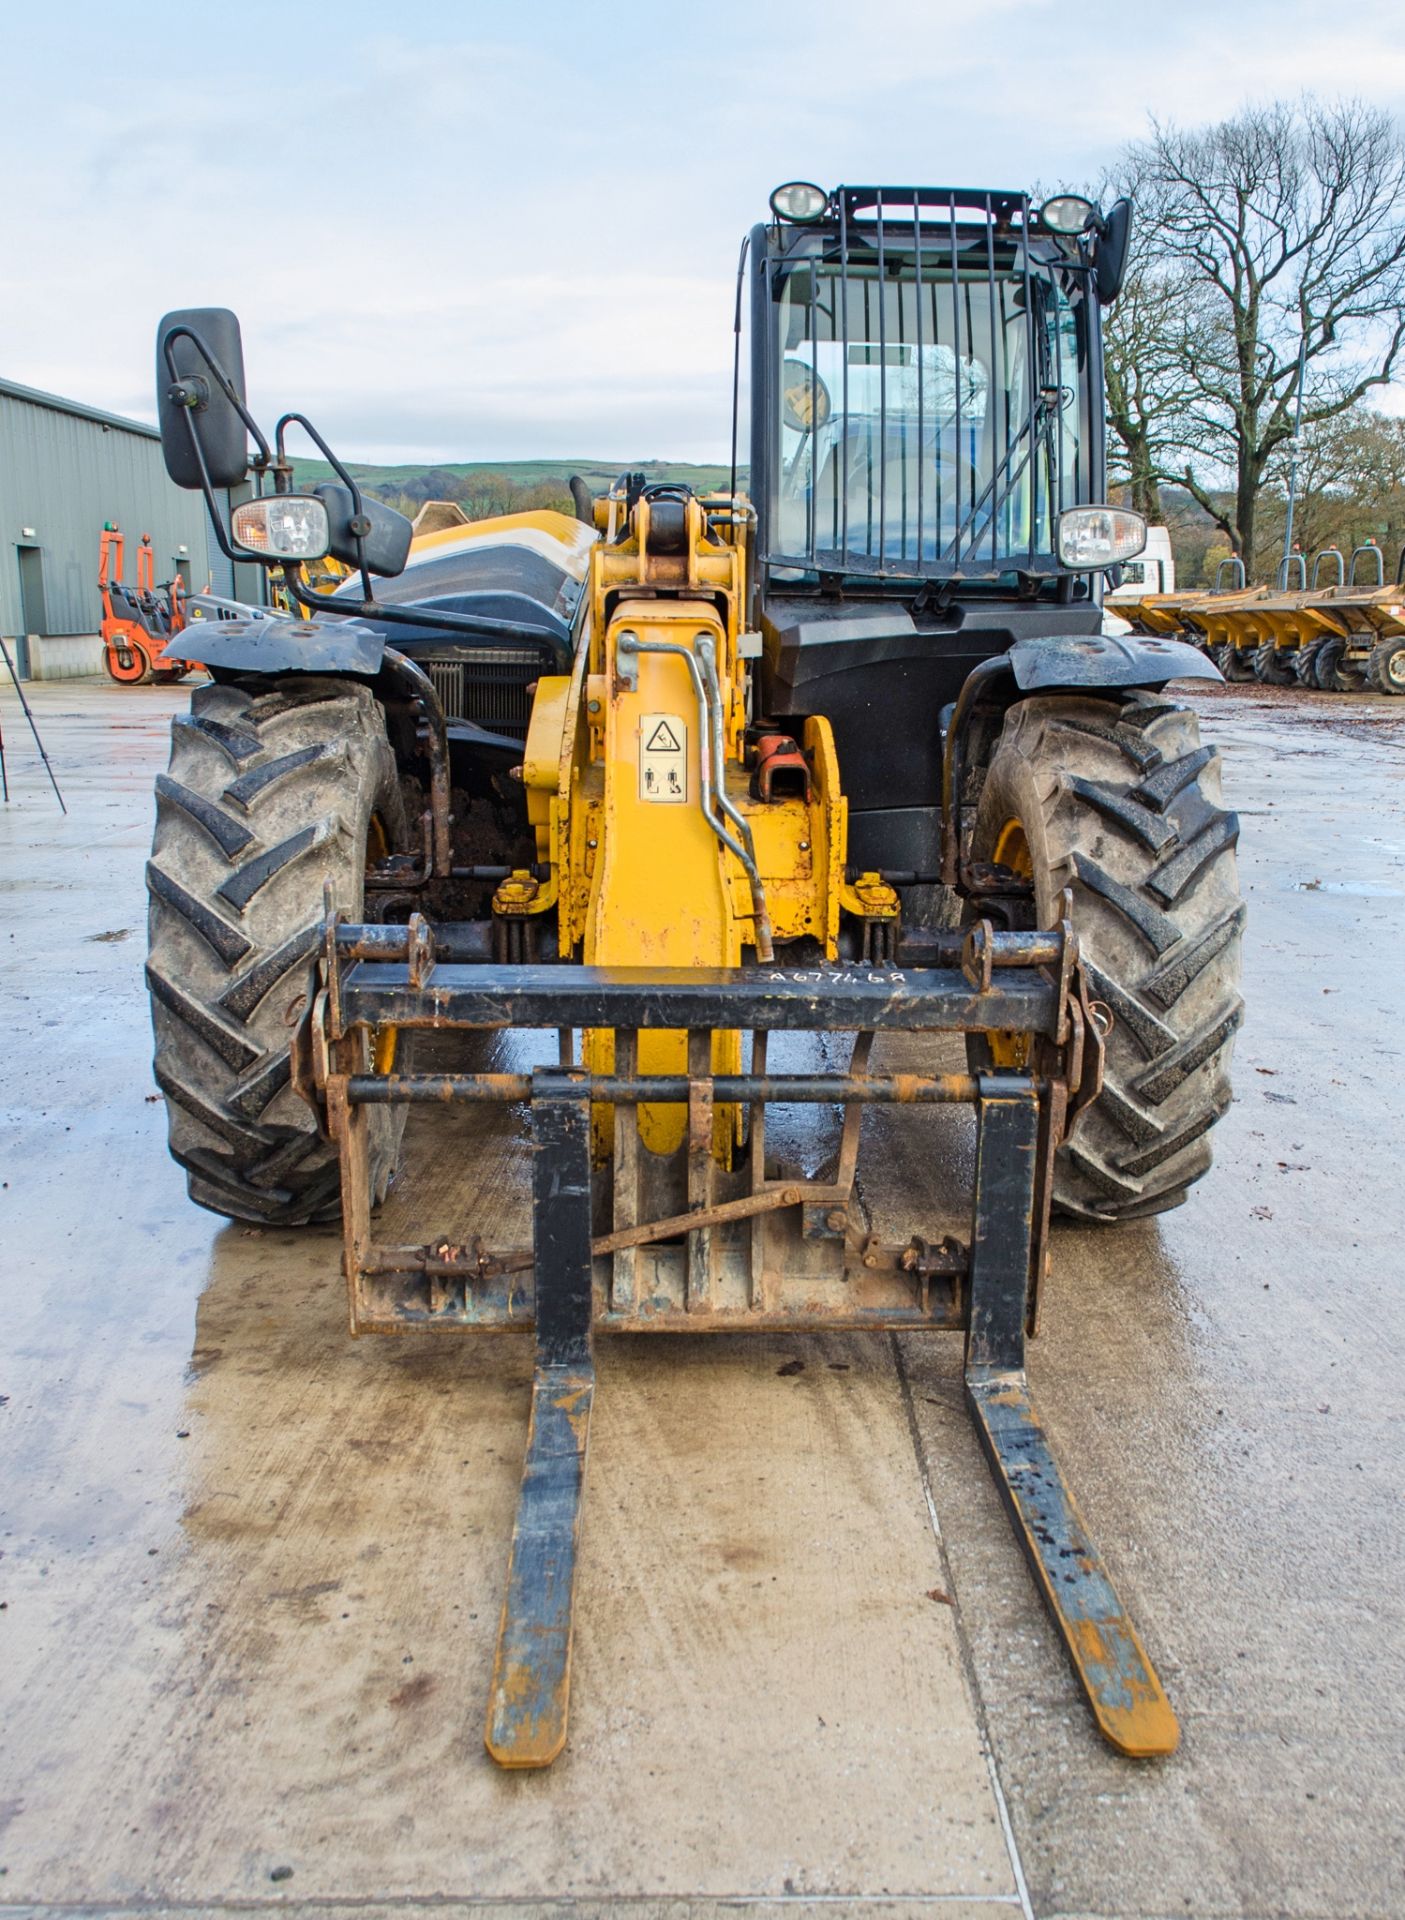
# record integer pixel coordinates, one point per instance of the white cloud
(513, 231)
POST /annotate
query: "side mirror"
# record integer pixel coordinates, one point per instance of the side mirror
(1110, 258)
(202, 344)
(385, 534)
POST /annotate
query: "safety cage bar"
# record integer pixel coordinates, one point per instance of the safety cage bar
(931, 230)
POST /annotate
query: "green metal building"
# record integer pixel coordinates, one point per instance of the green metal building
(65, 469)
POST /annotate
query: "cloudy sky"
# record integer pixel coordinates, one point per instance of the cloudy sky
(487, 230)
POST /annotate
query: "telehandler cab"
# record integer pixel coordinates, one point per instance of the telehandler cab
(847, 752)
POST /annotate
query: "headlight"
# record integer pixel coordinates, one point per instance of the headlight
(799, 200)
(1091, 538)
(282, 526)
(1068, 213)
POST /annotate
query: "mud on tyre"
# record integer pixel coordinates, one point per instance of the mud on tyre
(1119, 800)
(268, 794)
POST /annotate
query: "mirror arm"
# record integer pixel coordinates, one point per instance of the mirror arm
(226, 387)
(229, 551)
(301, 420)
(368, 607)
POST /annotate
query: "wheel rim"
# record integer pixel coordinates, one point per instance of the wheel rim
(127, 665)
(1008, 1047)
(1394, 674)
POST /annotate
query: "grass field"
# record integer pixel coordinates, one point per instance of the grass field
(523, 473)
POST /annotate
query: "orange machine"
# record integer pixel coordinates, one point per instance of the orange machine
(139, 625)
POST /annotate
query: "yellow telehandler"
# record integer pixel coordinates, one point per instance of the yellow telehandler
(844, 752)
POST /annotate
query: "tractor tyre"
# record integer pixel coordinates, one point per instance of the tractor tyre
(1273, 666)
(1305, 663)
(1218, 652)
(1333, 675)
(128, 664)
(1118, 800)
(1385, 670)
(273, 788)
(1239, 663)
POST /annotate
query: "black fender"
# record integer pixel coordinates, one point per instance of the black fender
(275, 643)
(1066, 663)
(1090, 661)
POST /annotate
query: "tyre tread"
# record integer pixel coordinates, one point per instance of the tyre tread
(247, 787)
(248, 881)
(1141, 822)
(271, 789)
(1178, 870)
(224, 940)
(1159, 918)
(230, 836)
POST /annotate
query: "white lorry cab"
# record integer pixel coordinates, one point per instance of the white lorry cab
(1153, 571)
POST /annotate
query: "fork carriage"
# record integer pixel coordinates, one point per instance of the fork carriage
(645, 1242)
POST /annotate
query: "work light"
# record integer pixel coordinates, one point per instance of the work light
(282, 526)
(799, 200)
(1068, 213)
(1091, 538)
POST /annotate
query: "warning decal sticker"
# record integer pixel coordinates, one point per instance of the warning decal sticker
(663, 759)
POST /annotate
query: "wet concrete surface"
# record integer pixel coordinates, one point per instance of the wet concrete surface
(251, 1571)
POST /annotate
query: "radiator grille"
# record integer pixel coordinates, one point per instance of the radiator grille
(488, 685)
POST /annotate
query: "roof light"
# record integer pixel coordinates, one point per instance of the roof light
(800, 201)
(1068, 213)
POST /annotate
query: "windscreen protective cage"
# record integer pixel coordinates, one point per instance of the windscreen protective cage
(953, 339)
(223, 435)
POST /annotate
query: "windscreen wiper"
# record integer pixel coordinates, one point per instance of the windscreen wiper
(1034, 428)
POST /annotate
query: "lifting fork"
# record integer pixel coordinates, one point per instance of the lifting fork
(527, 1716)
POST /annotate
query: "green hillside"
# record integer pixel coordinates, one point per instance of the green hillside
(417, 479)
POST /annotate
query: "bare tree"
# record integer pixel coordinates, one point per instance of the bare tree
(1351, 486)
(1148, 347)
(1284, 231)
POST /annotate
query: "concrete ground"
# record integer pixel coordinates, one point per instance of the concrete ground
(250, 1572)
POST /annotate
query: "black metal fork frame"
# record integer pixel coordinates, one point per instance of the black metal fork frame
(1020, 1117)
(528, 1706)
